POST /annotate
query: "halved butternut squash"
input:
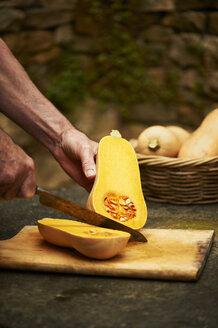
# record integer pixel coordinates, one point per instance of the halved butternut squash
(117, 191)
(94, 242)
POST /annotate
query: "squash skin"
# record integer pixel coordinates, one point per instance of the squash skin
(134, 143)
(181, 133)
(203, 142)
(117, 172)
(210, 121)
(69, 233)
(158, 140)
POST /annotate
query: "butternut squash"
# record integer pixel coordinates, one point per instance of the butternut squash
(134, 143)
(158, 140)
(117, 191)
(181, 133)
(203, 142)
(91, 241)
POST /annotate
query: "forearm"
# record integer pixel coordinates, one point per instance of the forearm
(21, 101)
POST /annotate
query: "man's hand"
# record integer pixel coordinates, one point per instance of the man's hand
(76, 154)
(17, 177)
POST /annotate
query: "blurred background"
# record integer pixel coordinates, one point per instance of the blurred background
(114, 65)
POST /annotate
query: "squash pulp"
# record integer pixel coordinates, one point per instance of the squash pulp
(117, 191)
(94, 242)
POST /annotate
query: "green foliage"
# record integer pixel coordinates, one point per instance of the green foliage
(198, 89)
(197, 48)
(119, 73)
(198, 92)
(68, 82)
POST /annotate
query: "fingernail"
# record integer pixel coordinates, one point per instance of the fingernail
(90, 173)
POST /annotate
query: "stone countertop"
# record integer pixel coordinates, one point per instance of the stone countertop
(39, 299)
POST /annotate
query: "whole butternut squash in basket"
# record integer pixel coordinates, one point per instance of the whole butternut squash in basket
(134, 143)
(203, 142)
(158, 140)
(94, 242)
(117, 191)
(181, 133)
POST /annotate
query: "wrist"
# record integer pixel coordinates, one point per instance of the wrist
(50, 129)
(69, 135)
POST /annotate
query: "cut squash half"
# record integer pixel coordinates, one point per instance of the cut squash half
(117, 191)
(91, 241)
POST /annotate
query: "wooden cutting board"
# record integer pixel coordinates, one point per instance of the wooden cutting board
(171, 254)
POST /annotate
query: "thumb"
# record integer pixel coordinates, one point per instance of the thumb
(88, 164)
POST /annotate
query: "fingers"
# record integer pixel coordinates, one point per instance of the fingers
(28, 187)
(10, 192)
(21, 189)
(18, 180)
(76, 155)
(88, 163)
(77, 146)
(75, 171)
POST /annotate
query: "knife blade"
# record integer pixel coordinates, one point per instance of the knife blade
(84, 214)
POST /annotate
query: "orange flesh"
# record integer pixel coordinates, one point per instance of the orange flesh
(120, 207)
(80, 228)
(93, 232)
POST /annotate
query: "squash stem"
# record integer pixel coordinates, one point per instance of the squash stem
(115, 133)
(154, 144)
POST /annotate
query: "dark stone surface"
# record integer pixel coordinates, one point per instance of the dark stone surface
(36, 299)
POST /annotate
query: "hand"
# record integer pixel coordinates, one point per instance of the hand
(76, 154)
(21, 101)
(17, 177)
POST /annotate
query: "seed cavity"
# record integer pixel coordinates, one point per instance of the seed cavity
(120, 207)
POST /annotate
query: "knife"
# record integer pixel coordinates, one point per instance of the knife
(84, 214)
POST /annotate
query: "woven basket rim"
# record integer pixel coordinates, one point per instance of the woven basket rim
(174, 161)
(179, 180)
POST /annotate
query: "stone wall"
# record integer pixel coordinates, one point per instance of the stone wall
(181, 37)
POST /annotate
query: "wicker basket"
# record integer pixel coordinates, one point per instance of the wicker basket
(179, 181)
